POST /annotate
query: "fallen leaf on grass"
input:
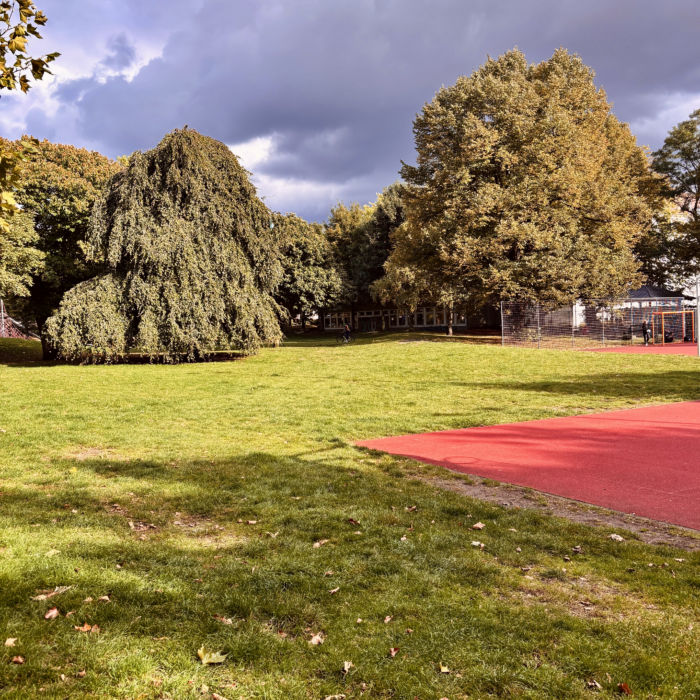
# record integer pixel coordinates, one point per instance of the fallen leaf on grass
(104, 599)
(347, 665)
(81, 674)
(320, 543)
(316, 640)
(10, 641)
(357, 532)
(478, 526)
(388, 619)
(616, 538)
(51, 614)
(444, 669)
(52, 553)
(329, 573)
(334, 697)
(85, 628)
(404, 538)
(512, 529)
(87, 600)
(624, 689)
(394, 651)
(353, 521)
(335, 590)
(208, 657)
(216, 696)
(409, 630)
(57, 591)
(272, 534)
(578, 549)
(225, 620)
(251, 522)
(72, 612)
(359, 620)
(17, 660)
(679, 560)
(594, 685)
(412, 509)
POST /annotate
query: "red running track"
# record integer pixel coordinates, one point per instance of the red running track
(671, 349)
(644, 460)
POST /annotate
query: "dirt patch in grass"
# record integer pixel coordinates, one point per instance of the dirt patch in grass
(509, 496)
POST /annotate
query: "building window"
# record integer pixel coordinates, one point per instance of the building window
(429, 317)
(419, 317)
(392, 318)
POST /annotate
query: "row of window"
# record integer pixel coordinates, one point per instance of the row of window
(393, 318)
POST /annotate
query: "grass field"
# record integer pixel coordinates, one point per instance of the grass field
(191, 497)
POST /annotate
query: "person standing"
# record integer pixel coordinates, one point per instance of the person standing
(645, 332)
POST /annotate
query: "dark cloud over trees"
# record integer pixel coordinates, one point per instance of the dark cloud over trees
(334, 86)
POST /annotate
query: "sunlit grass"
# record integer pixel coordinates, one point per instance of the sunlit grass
(88, 450)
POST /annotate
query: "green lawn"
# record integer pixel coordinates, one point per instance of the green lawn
(131, 482)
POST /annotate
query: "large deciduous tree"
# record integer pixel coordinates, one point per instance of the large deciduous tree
(526, 187)
(58, 186)
(18, 258)
(19, 20)
(672, 249)
(362, 240)
(190, 260)
(311, 280)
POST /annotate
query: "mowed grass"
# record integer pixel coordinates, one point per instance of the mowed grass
(137, 482)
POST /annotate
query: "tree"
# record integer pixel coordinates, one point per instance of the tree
(18, 21)
(673, 248)
(361, 238)
(190, 260)
(58, 186)
(311, 280)
(526, 187)
(18, 259)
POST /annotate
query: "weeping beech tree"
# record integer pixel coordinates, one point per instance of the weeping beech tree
(189, 259)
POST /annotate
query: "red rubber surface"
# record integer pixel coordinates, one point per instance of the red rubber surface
(644, 460)
(671, 349)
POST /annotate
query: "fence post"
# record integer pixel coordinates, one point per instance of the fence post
(503, 330)
(573, 324)
(538, 327)
(603, 326)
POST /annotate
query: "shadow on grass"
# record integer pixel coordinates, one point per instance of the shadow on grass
(679, 385)
(230, 564)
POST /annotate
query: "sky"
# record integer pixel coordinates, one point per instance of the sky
(318, 97)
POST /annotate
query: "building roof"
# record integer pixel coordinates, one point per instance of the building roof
(651, 291)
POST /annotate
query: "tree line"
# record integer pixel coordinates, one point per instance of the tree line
(526, 187)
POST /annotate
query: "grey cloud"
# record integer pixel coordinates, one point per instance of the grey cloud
(122, 53)
(337, 83)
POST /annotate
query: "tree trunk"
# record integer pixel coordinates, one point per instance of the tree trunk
(49, 353)
(450, 317)
(303, 322)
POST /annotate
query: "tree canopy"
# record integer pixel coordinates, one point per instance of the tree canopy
(672, 250)
(361, 239)
(58, 186)
(526, 187)
(190, 260)
(19, 20)
(311, 280)
(18, 258)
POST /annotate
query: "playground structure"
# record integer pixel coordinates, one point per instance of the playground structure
(9, 328)
(599, 323)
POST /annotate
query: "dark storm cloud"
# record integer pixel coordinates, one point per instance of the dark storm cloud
(336, 84)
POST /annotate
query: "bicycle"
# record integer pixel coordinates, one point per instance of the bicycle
(340, 338)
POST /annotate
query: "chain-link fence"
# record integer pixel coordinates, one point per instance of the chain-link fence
(598, 323)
